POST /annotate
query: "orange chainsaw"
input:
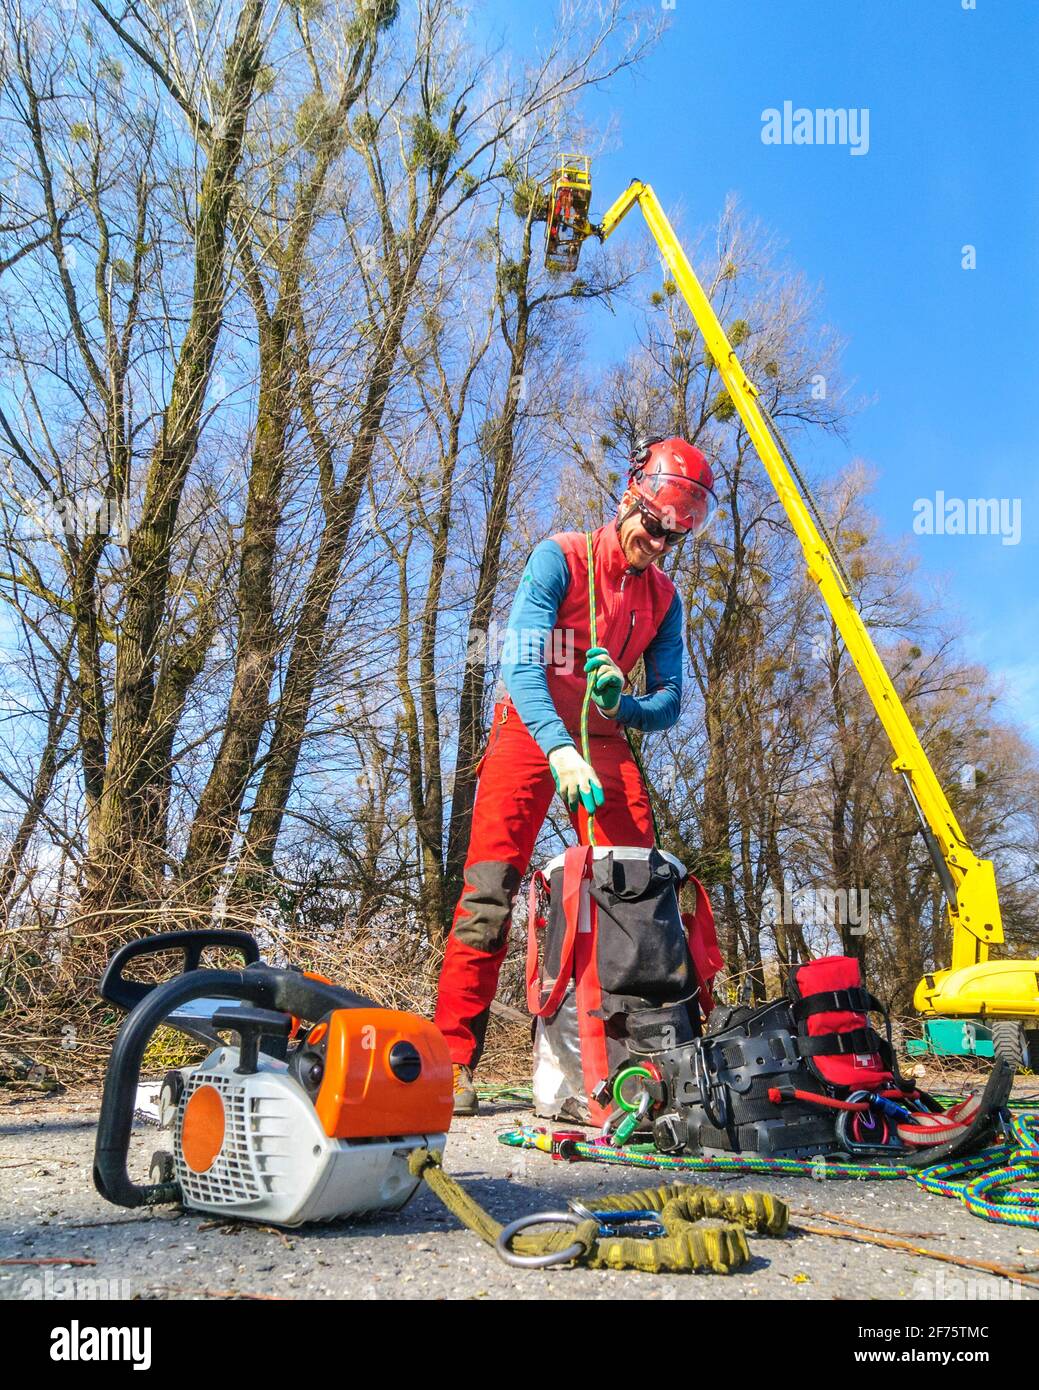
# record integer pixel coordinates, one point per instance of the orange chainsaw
(309, 1115)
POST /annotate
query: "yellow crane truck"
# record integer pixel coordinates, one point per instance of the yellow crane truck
(1004, 994)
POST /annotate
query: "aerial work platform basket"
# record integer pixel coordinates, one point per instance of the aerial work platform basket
(567, 224)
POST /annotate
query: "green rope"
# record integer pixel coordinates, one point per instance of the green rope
(646, 1156)
(1000, 1184)
(519, 1093)
(586, 751)
(586, 703)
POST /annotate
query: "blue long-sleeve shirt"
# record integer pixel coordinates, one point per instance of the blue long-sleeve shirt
(542, 587)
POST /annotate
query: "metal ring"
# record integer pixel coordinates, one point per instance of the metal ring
(625, 1074)
(556, 1218)
(580, 1210)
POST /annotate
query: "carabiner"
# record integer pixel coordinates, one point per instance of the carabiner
(626, 1120)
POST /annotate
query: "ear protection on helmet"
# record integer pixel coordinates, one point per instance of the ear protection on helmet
(640, 455)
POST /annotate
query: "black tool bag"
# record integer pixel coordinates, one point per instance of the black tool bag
(609, 972)
(645, 973)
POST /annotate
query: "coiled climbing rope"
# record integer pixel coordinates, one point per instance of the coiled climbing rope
(647, 1156)
(1000, 1184)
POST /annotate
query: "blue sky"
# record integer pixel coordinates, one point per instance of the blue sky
(945, 357)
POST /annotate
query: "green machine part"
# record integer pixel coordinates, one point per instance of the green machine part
(952, 1037)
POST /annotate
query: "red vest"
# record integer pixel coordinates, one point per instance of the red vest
(630, 606)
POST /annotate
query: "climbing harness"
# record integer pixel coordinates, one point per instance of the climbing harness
(795, 1078)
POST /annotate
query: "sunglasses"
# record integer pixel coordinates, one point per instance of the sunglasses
(655, 530)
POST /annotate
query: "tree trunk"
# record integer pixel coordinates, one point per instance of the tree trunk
(307, 650)
(117, 872)
(471, 731)
(58, 715)
(216, 817)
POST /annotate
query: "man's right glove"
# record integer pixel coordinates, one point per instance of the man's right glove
(607, 680)
(575, 780)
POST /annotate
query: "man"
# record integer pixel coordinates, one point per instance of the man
(534, 742)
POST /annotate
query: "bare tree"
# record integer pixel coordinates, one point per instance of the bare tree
(425, 163)
(273, 248)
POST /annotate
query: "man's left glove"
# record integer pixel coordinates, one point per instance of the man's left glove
(608, 680)
(575, 779)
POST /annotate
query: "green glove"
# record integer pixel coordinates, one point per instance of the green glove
(608, 682)
(575, 780)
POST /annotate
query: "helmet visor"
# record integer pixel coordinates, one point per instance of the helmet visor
(681, 504)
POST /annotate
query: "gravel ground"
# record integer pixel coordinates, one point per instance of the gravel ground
(49, 1210)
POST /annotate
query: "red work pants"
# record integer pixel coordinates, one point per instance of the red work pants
(513, 793)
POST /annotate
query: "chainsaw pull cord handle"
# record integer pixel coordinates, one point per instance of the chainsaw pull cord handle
(267, 987)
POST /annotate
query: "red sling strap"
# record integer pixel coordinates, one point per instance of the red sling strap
(703, 945)
(577, 862)
(535, 923)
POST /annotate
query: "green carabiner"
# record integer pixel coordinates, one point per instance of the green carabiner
(626, 1129)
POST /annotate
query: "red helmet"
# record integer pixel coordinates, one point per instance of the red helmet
(674, 482)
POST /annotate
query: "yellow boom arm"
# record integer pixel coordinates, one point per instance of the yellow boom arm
(969, 882)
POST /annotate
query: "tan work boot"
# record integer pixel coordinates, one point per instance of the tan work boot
(466, 1102)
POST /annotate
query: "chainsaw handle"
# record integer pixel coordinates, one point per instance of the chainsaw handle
(126, 994)
(262, 985)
